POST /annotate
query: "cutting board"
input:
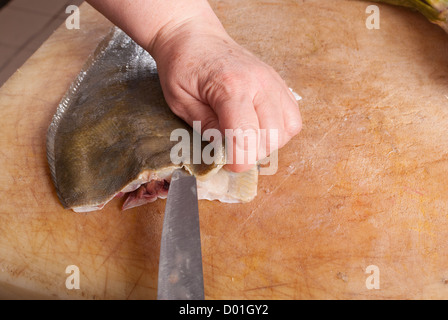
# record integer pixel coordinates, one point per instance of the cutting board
(358, 208)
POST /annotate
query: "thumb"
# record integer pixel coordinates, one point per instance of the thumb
(238, 121)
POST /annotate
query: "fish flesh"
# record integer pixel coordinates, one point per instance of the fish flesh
(110, 136)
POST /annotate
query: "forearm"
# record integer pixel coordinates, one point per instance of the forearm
(150, 22)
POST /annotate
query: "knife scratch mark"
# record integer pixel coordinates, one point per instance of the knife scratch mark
(268, 287)
(324, 136)
(135, 285)
(114, 250)
(105, 283)
(34, 195)
(19, 272)
(290, 172)
(43, 242)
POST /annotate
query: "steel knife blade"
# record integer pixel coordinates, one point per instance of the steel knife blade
(180, 263)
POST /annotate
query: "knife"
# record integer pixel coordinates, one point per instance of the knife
(180, 263)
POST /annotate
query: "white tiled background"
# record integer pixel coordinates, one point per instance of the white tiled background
(24, 26)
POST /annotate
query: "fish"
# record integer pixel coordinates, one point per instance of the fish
(110, 137)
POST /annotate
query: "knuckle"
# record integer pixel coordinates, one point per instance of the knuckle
(224, 85)
(232, 79)
(266, 74)
(293, 127)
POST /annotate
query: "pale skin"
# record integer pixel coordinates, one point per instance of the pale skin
(205, 75)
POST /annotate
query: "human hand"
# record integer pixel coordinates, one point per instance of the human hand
(206, 76)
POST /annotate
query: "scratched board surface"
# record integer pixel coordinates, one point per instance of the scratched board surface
(362, 185)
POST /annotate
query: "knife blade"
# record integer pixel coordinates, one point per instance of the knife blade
(180, 263)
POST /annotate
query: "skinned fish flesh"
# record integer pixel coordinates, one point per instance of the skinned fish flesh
(110, 137)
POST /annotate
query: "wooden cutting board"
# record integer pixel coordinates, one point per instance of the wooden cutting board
(363, 184)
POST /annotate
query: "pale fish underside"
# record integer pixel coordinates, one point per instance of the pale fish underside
(111, 135)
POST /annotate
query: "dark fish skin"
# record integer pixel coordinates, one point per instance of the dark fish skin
(112, 125)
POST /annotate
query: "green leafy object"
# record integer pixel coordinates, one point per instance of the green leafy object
(435, 11)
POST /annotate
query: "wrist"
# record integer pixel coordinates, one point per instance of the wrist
(179, 29)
